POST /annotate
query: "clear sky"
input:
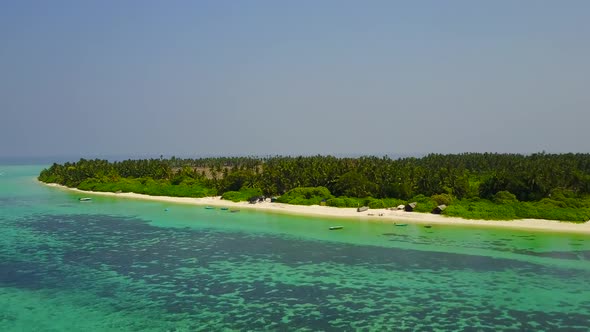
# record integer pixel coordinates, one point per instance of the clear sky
(130, 78)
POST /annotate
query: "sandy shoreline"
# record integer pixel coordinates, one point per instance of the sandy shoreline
(373, 215)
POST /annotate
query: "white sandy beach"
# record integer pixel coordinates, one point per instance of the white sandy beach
(373, 215)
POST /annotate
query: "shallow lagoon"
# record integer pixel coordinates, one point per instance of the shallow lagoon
(120, 264)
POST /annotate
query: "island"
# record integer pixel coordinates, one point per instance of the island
(468, 187)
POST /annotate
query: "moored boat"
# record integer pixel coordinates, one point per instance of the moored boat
(333, 228)
(85, 199)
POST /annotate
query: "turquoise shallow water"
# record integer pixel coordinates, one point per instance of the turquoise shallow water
(128, 265)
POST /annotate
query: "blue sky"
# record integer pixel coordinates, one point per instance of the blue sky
(132, 78)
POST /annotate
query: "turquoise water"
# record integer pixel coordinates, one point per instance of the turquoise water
(116, 264)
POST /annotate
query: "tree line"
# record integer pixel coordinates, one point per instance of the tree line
(467, 176)
(530, 177)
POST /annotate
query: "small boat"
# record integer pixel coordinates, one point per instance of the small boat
(85, 199)
(333, 228)
(427, 226)
(396, 224)
(234, 211)
(209, 207)
(224, 209)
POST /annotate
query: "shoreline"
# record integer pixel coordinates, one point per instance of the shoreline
(371, 215)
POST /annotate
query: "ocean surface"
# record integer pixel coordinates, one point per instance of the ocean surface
(115, 264)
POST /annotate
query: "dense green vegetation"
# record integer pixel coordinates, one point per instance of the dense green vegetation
(306, 196)
(243, 194)
(473, 185)
(149, 186)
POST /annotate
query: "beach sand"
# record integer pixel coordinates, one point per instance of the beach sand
(372, 215)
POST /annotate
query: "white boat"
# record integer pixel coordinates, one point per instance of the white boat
(85, 199)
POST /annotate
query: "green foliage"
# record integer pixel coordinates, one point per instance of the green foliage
(242, 195)
(149, 187)
(236, 180)
(544, 209)
(551, 203)
(504, 197)
(355, 184)
(440, 199)
(344, 201)
(373, 203)
(376, 203)
(490, 186)
(480, 209)
(425, 204)
(306, 196)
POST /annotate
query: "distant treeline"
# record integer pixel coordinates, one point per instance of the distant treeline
(465, 182)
